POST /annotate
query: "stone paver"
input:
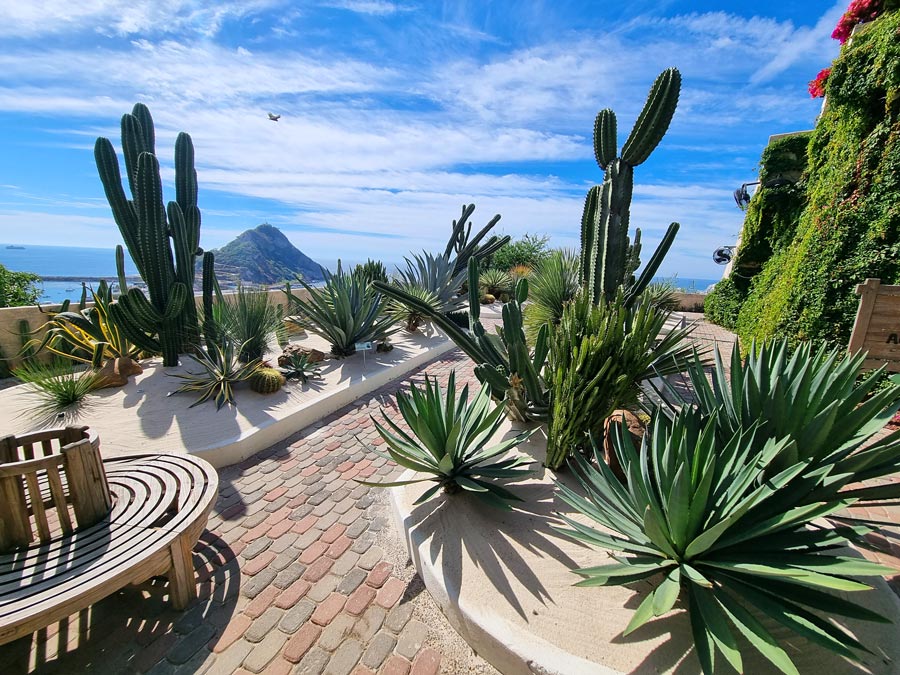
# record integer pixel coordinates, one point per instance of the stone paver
(289, 576)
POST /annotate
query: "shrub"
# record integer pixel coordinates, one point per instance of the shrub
(249, 319)
(448, 441)
(346, 310)
(60, 388)
(18, 288)
(553, 283)
(495, 282)
(723, 303)
(530, 250)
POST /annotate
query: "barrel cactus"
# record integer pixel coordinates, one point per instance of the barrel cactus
(163, 240)
(609, 259)
(266, 381)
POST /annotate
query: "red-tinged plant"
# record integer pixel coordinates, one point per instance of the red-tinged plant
(817, 86)
(859, 11)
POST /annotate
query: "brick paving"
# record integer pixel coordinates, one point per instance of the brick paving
(290, 576)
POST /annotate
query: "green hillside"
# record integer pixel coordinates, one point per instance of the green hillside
(265, 256)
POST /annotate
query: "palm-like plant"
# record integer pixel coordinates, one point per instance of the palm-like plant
(814, 397)
(250, 319)
(60, 388)
(411, 317)
(719, 525)
(599, 356)
(554, 283)
(346, 310)
(220, 371)
(88, 335)
(448, 440)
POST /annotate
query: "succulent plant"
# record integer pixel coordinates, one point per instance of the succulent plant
(297, 366)
(163, 241)
(608, 258)
(220, 371)
(494, 282)
(266, 380)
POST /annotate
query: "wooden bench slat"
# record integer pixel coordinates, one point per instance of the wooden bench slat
(58, 495)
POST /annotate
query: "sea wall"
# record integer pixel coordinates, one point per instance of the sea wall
(37, 317)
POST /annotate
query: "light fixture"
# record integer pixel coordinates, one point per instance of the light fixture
(742, 197)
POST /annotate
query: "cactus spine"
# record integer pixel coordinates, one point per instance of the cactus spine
(166, 322)
(266, 381)
(609, 259)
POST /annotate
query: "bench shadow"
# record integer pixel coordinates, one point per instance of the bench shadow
(132, 629)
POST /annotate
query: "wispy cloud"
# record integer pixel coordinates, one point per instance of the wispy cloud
(376, 7)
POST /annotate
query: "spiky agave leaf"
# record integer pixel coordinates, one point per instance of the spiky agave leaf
(448, 439)
(61, 388)
(695, 516)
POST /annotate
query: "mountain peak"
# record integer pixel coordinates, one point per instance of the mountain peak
(264, 255)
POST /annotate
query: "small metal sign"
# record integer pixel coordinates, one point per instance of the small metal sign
(363, 346)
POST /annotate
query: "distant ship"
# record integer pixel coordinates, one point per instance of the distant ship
(22, 248)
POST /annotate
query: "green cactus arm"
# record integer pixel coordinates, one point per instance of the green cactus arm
(141, 309)
(148, 202)
(122, 208)
(652, 265)
(605, 142)
(654, 120)
(185, 173)
(474, 290)
(142, 114)
(132, 329)
(120, 269)
(133, 146)
(178, 297)
(541, 347)
(521, 290)
(588, 232)
(611, 273)
(498, 381)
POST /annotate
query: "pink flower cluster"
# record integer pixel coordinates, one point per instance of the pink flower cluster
(858, 12)
(817, 86)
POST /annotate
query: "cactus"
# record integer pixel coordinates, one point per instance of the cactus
(503, 360)
(166, 322)
(609, 260)
(266, 381)
(464, 247)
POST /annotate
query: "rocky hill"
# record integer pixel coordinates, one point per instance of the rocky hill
(265, 256)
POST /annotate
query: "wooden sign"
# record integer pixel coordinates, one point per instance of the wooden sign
(877, 326)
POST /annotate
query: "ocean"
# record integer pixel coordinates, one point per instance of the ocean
(77, 264)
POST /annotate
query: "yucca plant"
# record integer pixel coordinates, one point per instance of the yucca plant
(299, 367)
(411, 317)
(220, 371)
(718, 526)
(495, 282)
(61, 388)
(599, 356)
(251, 320)
(346, 310)
(554, 283)
(814, 397)
(448, 439)
(89, 335)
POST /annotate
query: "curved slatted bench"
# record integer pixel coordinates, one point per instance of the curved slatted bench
(160, 505)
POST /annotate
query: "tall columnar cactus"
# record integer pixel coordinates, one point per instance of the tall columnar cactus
(464, 247)
(608, 258)
(503, 360)
(163, 241)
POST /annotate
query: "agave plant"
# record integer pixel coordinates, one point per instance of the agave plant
(251, 320)
(719, 526)
(60, 388)
(220, 371)
(448, 440)
(599, 356)
(299, 367)
(814, 397)
(346, 310)
(372, 270)
(495, 282)
(554, 283)
(88, 335)
(412, 317)
(436, 275)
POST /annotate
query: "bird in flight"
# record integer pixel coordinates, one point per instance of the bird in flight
(274, 118)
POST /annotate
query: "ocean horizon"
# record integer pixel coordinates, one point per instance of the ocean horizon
(83, 264)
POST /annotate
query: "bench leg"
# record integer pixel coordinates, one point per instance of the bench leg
(182, 588)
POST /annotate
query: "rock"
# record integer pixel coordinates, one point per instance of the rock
(115, 372)
(313, 355)
(635, 428)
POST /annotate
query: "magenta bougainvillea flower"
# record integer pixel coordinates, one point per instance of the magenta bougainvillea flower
(817, 86)
(859, 11)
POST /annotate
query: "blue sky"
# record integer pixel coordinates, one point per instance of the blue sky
(394, 114)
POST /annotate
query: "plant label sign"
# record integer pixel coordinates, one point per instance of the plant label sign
(363, 346)
(877, 326)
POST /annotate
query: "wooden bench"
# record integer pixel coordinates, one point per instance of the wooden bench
(75, 529)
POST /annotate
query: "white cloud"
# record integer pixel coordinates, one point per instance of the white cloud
(375, 7)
